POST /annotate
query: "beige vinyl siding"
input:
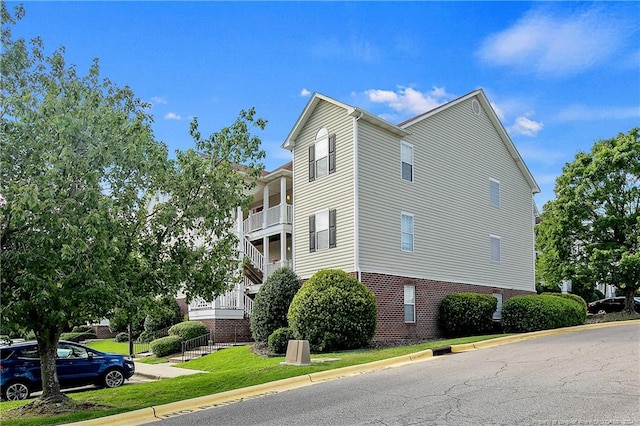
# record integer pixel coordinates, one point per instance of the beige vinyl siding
(334, 191)
(455, 155)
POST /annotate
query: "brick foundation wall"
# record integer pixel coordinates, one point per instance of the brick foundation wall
(229, 330)
(103, 332)
(389, 292)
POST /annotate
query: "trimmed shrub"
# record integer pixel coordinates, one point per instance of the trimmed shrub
(163, 313)
(333, 311)
(81, 329)
(279, 340)
(522, 314)
(146, 337)
(78, 337)
(272, 302)
(188, 330)
(467, 314)
(574, 297)
(166, 346)
(122, 337)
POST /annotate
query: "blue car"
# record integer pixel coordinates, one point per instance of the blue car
(77, 365)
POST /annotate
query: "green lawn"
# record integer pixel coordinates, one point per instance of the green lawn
(228, 369)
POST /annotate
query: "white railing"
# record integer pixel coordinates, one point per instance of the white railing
(248, 305)
(280, 214)
(254, 254)
(269, 268)
(230, 300)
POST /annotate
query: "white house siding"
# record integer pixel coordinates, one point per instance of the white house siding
(455, 154)
(334, 191)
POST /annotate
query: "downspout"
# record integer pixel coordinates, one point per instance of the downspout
(356, 201)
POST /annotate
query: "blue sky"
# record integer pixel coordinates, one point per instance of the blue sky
(560, 75)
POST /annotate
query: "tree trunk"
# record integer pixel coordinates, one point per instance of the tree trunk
(629, 305)
(47, 349)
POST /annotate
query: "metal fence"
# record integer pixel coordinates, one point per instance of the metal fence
(200, 346)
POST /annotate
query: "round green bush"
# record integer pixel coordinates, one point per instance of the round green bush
(188, 330)
(333, 311)
(122, 337)
(573, 297)
(272, 302)
(279, 340)
(467, 314)
(166, 345)
(522, 314)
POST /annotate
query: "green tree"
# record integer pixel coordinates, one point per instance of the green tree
(590, 233)
(272, 302)
(96, 216)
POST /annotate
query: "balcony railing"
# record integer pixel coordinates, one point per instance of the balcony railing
(269, 268)
(276, 215)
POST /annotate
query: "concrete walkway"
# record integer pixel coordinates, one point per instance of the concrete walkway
(166, 370)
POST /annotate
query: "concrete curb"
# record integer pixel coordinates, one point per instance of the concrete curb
(179, 408)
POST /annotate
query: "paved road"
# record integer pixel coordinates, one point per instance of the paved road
(582, 378)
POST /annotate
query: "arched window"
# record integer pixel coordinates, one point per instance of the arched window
(322, 155)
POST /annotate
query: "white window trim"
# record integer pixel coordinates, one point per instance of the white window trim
(498, 313)
(491, 239)
(492, 180)
(413, 168)
(412, 304)
(324, 138)
(413, 233)
(318, 230)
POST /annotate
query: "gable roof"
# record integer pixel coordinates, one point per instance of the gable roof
(497, 124)
(352, 111)
(403, 129)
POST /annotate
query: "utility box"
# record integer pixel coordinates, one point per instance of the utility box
(298, 353)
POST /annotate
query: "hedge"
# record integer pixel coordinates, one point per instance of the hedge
(467, 314)
(166, 346)
(279, 340)
(188, 330)
(522, 314)
(272, 303)
(333, 311)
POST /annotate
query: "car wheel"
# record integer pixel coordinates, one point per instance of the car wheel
(16, 391)
(113, 378)
(601, 312)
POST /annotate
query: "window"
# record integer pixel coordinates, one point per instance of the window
(322, 155)
(498, 313)
(406, 154)
(494, 192)
(495, 248)
(322, 230)
(409, 303)
(407, 232)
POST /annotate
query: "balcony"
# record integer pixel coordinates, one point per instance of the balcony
(282, 214)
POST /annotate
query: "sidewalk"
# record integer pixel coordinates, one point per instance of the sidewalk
(165, 370)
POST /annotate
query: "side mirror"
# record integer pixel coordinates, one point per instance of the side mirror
(90, 355)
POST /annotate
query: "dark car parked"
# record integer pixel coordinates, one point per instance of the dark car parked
(611, 304)
(77, 365)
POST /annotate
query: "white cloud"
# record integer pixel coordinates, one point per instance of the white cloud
(548, 44)
(304, 93)
(158, 100)
(407, 100)
(578, 112)
(172, 116)
(526, 126)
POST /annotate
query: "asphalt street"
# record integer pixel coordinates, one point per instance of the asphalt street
(589, 377)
